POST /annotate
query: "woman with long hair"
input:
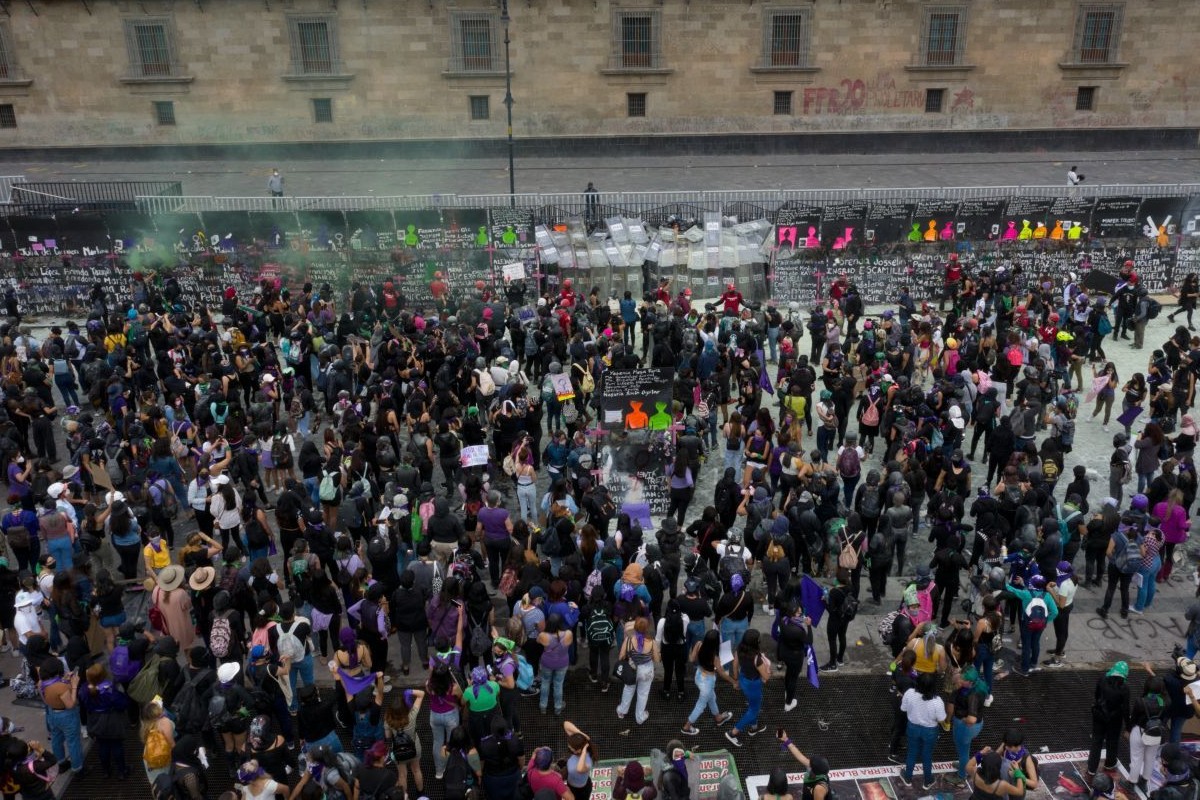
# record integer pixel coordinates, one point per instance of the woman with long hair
(400, 728)
(225, 505)
(642, 651)
(579, 763)
(105, 705)
(556, 643)
(1146, 452)
(682, 486)
(109, 601)
(445, 700)
(1133, 395)
(752, 670)
(1106, 390)
(1174, 516)
(501, 755)
(925, 712)
(126, 536)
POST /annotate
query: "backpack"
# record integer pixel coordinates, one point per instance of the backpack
(487, 386)
(870, 416)
(328, 490)
(1123, 560)
(122, 668)
(404, 749)
(481, 640)
(732, 563)
(1153, 309)
(163, 787)
(524, 673)
(1153, 727)
(849, 607)
(457, 778)
(848, 463)
(220, 636)
(157, 750)
(289, 644)
(848, 557)
(1066, 434)
(600, 629)
(587, 383)
(871, 503)
(219, 712)
(191, 713)
(1036, 613)
(281, 454)
(1104, 326)
(673, 628)
(147, 683)
(350, 513)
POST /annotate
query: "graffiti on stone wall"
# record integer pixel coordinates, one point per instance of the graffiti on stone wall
(880, 93)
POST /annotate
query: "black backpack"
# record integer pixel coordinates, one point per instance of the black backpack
(457, 779)
(190, 709)
(732, 563)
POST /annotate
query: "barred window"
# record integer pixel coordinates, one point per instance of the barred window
(1085, 98)
(322, 109)
(786, 38)
(164, 112)
(8, 62)
(480, 105)
(783, 104)
(933, 100)
(943, 37)
(635, 104)
(473, 38)
(1097, 33)
(314, 45)
(151, 46)
(637, 40)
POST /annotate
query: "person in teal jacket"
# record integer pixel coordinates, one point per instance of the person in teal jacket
(1038, 611)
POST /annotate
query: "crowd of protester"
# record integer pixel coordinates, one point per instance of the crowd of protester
(236, 527)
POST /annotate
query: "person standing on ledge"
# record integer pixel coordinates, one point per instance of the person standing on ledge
(275, 183)
(591, 201)
(1073, 176)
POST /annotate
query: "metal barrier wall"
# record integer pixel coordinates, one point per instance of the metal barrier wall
(6, 184)
(636, 202)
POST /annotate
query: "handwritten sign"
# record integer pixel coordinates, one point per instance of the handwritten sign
(514, 271)
(474, 456)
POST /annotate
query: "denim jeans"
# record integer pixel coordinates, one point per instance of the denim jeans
(314, 490)
(733, 458)
(753, 690)
(66, 387)
(556, 677)
(527, 497)
(707, 684)
(694, 633)
(63, 552)
(303, 669)
(711, 425)
(920, 745)
(773, 343)
(825, 440)
(645, 677)
(330, 740)
(964, 734)
(442, 723)
(732, 630)
(1031, 647)
(66, 739)
(1145, 593)
(985, 662)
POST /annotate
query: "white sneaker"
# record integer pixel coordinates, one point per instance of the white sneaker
(766, 609)
(988, 703)
(790, 706)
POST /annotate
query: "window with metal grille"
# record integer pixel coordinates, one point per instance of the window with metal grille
(151, 48)
(481, 106)
(8, 62)
(473, 40)
(635, 104)
(786, 39)
(8, 116)
(933, 100)
(322, 109)
(636, 40)
(164, 112)
(1085, 98)
(1097, 33)
(943, 37)
(783, 104)
(314, 45)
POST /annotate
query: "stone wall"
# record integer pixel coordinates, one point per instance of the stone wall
(234, 57)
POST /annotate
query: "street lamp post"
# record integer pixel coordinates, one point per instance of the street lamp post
(508, 104)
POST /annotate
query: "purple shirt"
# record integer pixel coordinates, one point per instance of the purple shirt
(19, 487)
(494, 522)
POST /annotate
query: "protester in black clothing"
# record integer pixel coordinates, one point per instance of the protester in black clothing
(1110, 712)
(795, 638)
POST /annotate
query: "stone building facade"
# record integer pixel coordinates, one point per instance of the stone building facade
(187, 72)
